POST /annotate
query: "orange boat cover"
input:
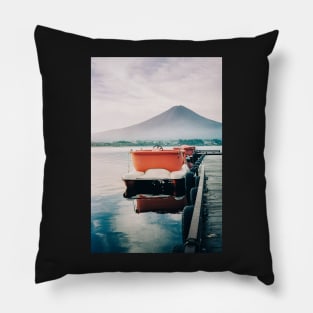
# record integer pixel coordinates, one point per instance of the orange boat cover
(189, 150)
(171, 160)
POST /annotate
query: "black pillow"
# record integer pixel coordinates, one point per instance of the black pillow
(193, 114)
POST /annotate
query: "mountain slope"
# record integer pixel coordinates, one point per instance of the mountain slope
(178, 122)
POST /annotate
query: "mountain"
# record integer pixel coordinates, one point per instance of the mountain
(178, 122)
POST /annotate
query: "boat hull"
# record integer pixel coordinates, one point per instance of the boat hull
(135, 188)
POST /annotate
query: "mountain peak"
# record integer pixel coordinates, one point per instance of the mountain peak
(178, 108)
(177, 122)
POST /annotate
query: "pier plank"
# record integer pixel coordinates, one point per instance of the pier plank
(208, 230)
(212, 205)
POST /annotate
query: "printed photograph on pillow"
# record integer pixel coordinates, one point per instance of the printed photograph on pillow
(156, 154)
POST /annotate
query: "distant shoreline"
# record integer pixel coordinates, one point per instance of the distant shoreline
(165, 143)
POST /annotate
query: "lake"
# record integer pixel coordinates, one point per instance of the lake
(115, 225)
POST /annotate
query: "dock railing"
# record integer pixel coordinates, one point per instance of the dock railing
(193, 238)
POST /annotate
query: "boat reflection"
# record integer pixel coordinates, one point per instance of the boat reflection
(168, 204)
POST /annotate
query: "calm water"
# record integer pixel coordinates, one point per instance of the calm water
(115, 226)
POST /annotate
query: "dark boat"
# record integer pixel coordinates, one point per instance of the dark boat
(157, 172)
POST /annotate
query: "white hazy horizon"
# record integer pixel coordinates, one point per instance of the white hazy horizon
(127, 91)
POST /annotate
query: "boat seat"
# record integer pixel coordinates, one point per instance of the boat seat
(133, 175)
(157, 173)
(180, 174)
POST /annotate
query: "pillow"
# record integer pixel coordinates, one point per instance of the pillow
(111, 107)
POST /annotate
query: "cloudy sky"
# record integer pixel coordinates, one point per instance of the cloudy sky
(127, 91)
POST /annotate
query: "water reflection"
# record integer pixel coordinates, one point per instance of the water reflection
(115, 226)
(160, 204)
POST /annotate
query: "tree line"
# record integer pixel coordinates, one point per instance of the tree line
(144, 143)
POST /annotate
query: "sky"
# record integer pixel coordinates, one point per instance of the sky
(127, 91)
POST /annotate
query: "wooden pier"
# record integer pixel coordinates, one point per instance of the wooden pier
(212, 205)
(205, 232)
(208, 152)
